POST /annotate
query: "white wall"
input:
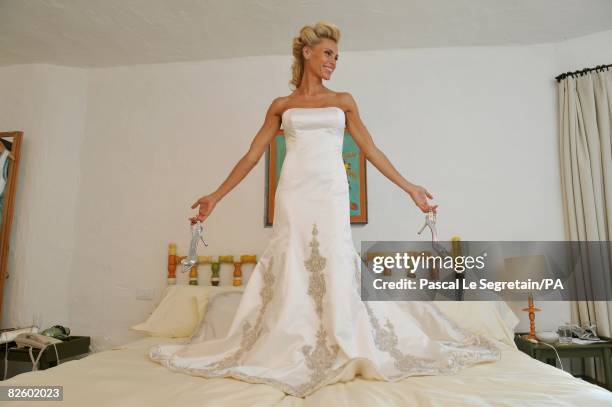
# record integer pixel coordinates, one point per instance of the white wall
(476, 125)
(584, 52)
(47, 103)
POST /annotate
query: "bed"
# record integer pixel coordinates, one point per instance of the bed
(125, 376)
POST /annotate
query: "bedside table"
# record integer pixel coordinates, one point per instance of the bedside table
(545, 354)
(71, 347)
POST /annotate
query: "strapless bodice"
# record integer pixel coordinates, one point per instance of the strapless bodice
(316, 129)
(297, 119)
(313, 140)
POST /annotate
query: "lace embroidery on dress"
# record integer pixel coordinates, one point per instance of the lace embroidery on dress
(386, 340)
(321, 359)
(315, 265)
(318, 360)
(251, 333)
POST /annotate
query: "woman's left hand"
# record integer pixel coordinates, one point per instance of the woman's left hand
(419, 195)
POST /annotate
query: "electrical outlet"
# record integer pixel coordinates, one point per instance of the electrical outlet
(145, 294)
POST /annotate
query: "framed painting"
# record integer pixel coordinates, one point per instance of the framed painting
(354, 164)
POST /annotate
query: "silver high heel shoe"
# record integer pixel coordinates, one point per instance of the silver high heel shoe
(196, 235)
(430, 221)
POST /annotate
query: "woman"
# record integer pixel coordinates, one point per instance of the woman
(316, 54)
(301, 323)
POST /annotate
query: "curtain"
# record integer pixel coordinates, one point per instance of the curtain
(585, 119)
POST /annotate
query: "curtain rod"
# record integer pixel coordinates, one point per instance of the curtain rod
(582, 72)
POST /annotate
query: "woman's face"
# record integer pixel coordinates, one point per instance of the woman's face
(321, 59)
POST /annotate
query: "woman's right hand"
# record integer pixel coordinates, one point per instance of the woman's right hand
(206, 205)
(420, 195)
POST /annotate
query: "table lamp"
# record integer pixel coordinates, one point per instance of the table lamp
(523, 268)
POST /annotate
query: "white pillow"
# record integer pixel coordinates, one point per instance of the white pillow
(509, 317)
(218, 316)
(493, 319)
(212, 292)
(175, 316)
(180, 311)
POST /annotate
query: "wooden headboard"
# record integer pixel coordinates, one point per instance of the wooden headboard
(174, 261)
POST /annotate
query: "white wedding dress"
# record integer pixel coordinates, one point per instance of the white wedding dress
(301, 323)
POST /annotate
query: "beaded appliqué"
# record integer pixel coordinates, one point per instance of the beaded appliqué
(321, 358)
(386, 340)
(315, 264)
(251, 333)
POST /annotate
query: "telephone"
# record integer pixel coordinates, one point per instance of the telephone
(38, 341)
(35, 340)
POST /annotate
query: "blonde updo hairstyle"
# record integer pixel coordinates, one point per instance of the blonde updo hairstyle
(311, 36)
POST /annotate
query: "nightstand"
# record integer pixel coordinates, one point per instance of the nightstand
(71, 347)
(545, 354)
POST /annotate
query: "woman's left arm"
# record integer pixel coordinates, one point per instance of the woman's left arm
(364, 140)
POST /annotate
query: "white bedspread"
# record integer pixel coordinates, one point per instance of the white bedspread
(126, 377)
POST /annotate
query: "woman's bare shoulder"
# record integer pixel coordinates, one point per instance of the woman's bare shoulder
(344, 97)
(279, 105)
(346, 101)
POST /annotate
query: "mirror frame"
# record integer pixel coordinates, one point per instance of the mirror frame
(6, 218)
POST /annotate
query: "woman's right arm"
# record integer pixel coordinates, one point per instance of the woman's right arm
(258, 146)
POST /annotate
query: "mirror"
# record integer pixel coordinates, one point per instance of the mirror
(10, 143)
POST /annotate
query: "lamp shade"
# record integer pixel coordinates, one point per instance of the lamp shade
(523, 268)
